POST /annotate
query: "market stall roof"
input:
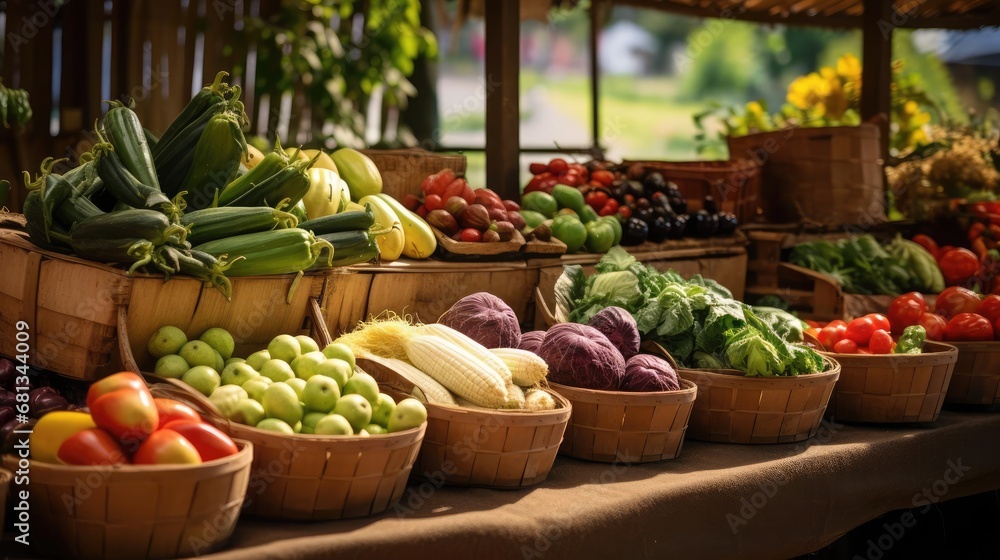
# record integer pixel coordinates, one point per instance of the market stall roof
(942, 14)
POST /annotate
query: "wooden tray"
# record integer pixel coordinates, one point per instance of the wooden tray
(536, 248)
(450, 250)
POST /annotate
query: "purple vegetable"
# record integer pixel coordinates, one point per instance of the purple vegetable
(485, 318)
(532, 341)
(7, 373)
(8, 398)
(6, 414)
(620, 328)
(580, 356)
(647, 373)
(8, 439)
(44, 400)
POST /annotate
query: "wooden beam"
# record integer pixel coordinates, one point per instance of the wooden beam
(675, 6)
(876, 72)
(597, 9)
(503, 141)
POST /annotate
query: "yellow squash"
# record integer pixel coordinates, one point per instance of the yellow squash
(420, 240)
(327, 194)
(252, 157)
(390, 243)
(53, 429)
(324, 161)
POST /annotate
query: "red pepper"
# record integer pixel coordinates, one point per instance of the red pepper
(976, 230)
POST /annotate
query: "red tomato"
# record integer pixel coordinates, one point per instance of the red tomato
(831, 334)
(93, 446)
(471, 235)
(934, 324)
(208, 440)
(423, 211)
(880, 321)
(958, 265)
(813, 332)
(846, 346)
(989, 307)
(166, 447)
(558, 165)
(955, 300)
(603, 177)
(968, 326)
(433, 202)
(171, 410)
(536, 168)
(127, 414)
(928, 244)
(625, 212)
(906, 310)
(411, 202)
(860, 330)
(454, 188)
(596, 199)
(121, 380)
(881, 342)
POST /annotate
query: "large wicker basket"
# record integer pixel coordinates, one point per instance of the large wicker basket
(733, 408)
(735, 185)
(892, 388)
(829, 175)
(616, 426)
(403, 170)
(147, 511)
(471, 447)
(976, 379)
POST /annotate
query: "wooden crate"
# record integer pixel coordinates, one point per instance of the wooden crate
(766, 247)
(403, 170)
(424, 289)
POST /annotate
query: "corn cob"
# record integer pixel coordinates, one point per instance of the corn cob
(526, 368)
(471, 346)
(280, 251)
(433, 392)
(216, 157)
(515, 396)
(457, 370)
(539, 399)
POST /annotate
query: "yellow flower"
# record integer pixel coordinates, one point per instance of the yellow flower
(808, 92)
(849, 68)
(836, 102)
(755, 108)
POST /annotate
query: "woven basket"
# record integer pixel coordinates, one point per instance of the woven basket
(616, 426)
(161, 511)
(403, 170)
(733, 408)
(828, 175)
(471, 447)
(5, 480)
(735, 185)
(892, 388)
(976, 379)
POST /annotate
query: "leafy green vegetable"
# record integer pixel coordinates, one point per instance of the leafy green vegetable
(784, 324)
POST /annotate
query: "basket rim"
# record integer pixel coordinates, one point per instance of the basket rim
(943, 352)
(687, 392)
(974, 345)
(556, 415)
(404, 435)
(245, 455)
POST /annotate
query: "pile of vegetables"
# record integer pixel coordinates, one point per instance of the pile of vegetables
(958, 314)
(571, 219)
(977, 269)
(199, 201)
(696, 320)
(469, 359)
(870, 334)
(863, 266)
(41, 393)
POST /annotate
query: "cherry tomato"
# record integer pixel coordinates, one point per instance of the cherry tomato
(968, 326)
(596, 199)
(558, 165)
(831, 334)
(928, 244)
(958, 265)
(846, 346)
(989, 307)
(813, 332)
(171, 410)
(93, 446)
(422, 211)
(471, 235)
(860, 330)
(411, 202)
(433, 202)
(976, 230)
(208, 440)
(625, 212)
(880, 321)
(536, 168)
(934, 324)
(603, 177)
(955, 300)
(881, 342)
(906, 310)
(941, 252)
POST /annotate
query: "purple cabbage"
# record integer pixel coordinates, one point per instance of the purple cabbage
(620, 328)
(580, 356)
(485, 318)
(648, 373)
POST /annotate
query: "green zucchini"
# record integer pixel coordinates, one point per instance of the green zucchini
(210, 224)
(133, 223)
(290, 183)
(352, 247)
(73, 207)
(203, 266)
(34, 216)
(126, 187)
(345, 221)
(206, 98)
(173, 161)
(123, 130)
(216, 158)
(280, 251)
(270, 165)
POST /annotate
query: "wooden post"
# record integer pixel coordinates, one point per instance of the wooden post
(503, 140)
(876, 73)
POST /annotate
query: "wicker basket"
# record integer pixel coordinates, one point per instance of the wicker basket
(162, 511)
(892, 388)
(403, 170)
(5, 480)
(733, 408)
(735, 185)
(829, 175)
(615, 426)
(494, 449)
(976, 379)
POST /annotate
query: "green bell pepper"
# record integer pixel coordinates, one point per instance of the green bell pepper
(600, 236)
(570, 230)
(911, 341)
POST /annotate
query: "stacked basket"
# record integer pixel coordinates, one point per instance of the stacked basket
(976, 379)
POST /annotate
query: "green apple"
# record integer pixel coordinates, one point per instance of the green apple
(257, 359)
(238, 374)
(338, 351)
(306, 365)
(166, 340)
(409, 413)
(321, 394)
(247, 411)
(297, 427)
(197, 353)
(220, 363)
(298, 384)
(284, 347)
(171, 365)
(307, 344)
(275, 425)
(202, 379)
(235, 361)
(309, 422)
(225, 398)
(375, 429)
(255, 387)
(281, 402)
(382, 409)
(277, 370)
(364, 385)
(338, 370)
(333, 425)
(356, 409)
(363, 433)
(220, 340)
